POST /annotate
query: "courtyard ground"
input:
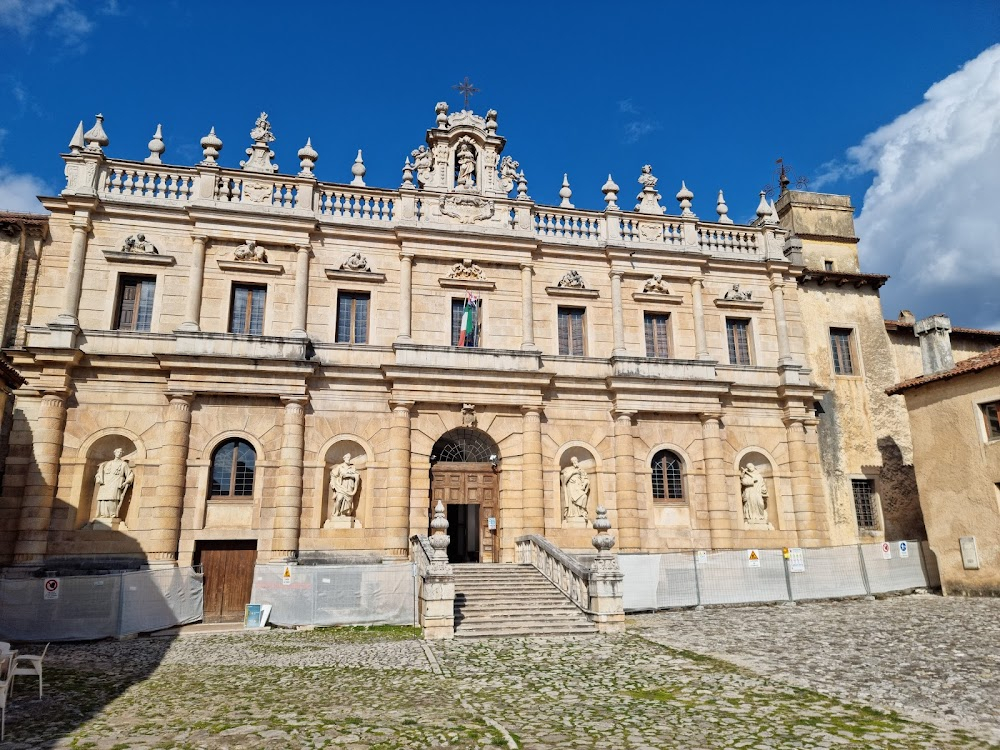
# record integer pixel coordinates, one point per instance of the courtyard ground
(908, 672)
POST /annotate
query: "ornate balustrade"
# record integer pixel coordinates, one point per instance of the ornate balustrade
(347, 202)
(420, 553)
(131, 180)
(556, 224)
(565, 572)
(722, 239)
(258, 190)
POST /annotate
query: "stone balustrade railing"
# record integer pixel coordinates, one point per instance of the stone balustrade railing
(564, 571)
(130, 180)
(420, 553)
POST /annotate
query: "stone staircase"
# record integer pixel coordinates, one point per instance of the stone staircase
(512, 600)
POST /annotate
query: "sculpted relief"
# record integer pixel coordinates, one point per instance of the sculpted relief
(113, 478)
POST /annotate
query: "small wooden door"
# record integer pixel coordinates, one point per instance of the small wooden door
(228, 570)
(470, 484)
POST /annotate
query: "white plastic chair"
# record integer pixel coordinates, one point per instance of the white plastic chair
(6, 684)
(29, 664)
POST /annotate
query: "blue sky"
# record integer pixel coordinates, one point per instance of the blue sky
(711, 93)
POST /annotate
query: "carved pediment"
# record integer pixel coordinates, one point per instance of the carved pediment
(467, 270)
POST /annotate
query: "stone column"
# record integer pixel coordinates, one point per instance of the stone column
(397, 512)
(288, 493)
(74, 271)
(196, 280)
(532, 492)
(527, 308)
(720, 515)
(171, 481)
(405, 294)
(778, 299)
(41, 479)
(301, 308)
(700, 340)
(617, 314)
(625, 483)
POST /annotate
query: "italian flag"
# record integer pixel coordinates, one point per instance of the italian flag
(470, 319)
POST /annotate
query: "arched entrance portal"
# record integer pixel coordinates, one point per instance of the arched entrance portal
(465, 478)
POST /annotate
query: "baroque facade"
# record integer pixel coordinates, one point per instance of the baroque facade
(277, 360)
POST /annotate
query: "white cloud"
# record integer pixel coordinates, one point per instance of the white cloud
(58, 18)
(18, 191)
(637, 126)
(930, 217)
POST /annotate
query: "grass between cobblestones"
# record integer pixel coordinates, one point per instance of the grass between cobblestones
(373, 689)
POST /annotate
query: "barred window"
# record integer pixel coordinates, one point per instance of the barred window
(991, 413)
(571, 333)
(233, 465)
(656, 335)
(864, 503)
(668, 482)
(247, 315)
(738, 336)
(841, 340)
(135, 303)
(352, 317)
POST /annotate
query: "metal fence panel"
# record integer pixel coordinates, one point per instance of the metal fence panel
(730, 577)
(157, 599)
(86, 608)
(642, 577)
(896, 573)
(830, 572)
(678, 581)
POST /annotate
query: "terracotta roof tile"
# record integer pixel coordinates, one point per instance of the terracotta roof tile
(840, 278)
(895, 325)
(973, 364)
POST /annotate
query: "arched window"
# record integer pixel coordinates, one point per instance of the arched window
(232, 469)
(465, 445)
(668, 483)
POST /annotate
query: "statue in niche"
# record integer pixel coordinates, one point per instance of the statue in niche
(344, 483)
(113, 480)
(467, 270)
(250, 251)
(137, 243)
(656, 285)
(423, 162)
(508, 173)
(754, 495)
(466, 163)
(572, 280)
(737, 294)
(576, 486)
(356, 262)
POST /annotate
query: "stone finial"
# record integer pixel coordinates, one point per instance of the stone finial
(307, 159)
(439, 538)
(358, 169)
(934, 334)
(76, 143)
(610, 190)
(522, 187)
(684, 198)
(156, 147)
(603, 541)
(565, 193)
(491, 120)
(763, 210)
(407, 183)
(773, 216)
(441, 110)
(96, 138)
(722, 210)
(211, 145)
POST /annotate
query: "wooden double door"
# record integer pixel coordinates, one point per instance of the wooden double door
(227, 567)
(469, 494)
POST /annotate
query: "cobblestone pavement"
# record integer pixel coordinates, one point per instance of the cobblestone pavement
(383, 689)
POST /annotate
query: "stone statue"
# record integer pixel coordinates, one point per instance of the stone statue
(466, 161)
(356, 262)
(344, 483)
(576, 485)
(249, 251)
(572, 280)
(754, 495)
(649, 198)
(113, 479)
(737, 294)
(423, 162)
(508, 173)
(467, 270)
(656, 284)
(136, 243)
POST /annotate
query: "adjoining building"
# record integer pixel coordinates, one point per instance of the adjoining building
(297, 370)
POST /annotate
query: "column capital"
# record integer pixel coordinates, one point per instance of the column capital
(57, 394)
(707, 417)
(697, 281)
(406, 255)
(303, 247)
(526, 264)
(81, 222)
(623, 415)
(199, 237)
(292, 401)
(179, 397)
(532, 409)
(616, 273)
(398, 406)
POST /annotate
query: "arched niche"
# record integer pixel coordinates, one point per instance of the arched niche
(346, 459)
(765, 467)
(579, 469)
(97, 452)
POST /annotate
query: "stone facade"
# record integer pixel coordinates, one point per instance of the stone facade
(179, 309)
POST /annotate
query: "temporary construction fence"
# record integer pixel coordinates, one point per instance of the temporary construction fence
(69, 608)
(337, 594)
(688, 579)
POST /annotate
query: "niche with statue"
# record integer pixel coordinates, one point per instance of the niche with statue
(757, 492)
(578, 486)
(346, 463)
(110, 481)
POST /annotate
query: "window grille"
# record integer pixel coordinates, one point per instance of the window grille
(248, 309)
(840, 344)
(864, 503)
(991, 413)
(135, 303)
(233, 466)
(656, 335)
(668, 482)
(738, 334)
(571, 333)
(464, 445)
(457, 313)
(352, 318)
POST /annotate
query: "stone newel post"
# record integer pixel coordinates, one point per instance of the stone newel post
(605, 587)
(437, 593)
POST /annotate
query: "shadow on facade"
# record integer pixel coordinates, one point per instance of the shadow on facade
(901, 510)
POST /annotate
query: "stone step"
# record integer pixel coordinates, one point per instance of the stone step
(525, 630)
(525, 614)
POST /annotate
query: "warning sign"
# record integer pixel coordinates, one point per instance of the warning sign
(286, 577)
(886, 551)
(753, 558)
(796, 560)
(51, 588)
(904, 549)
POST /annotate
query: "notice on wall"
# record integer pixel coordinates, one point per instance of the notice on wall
(701, 557)
(753, 558)
(286, 577)
(886, 551)
(796, 560)
(904, 549)
(970, 555)
(51, 588)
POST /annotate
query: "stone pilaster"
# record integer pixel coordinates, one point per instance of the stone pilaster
(405, 295)
(617, 314)
(626, 495)
(288, 493)
(171, 480)
(778, 300)
(719, 512)
(811, 514)
(42, 478)
(74, 272)
(700, 340)
(397, 512)
(532, 494)
(196, 280)
(527, 308)
(301, 307)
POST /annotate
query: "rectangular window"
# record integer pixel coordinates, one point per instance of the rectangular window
(571, 333)
(466, 321)
(248, 309)
(352, 317)
(828, 265)
(135, 303)
(841, 345)
(738, 335)
(864, 503)
(656, 335)
(991, 413)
